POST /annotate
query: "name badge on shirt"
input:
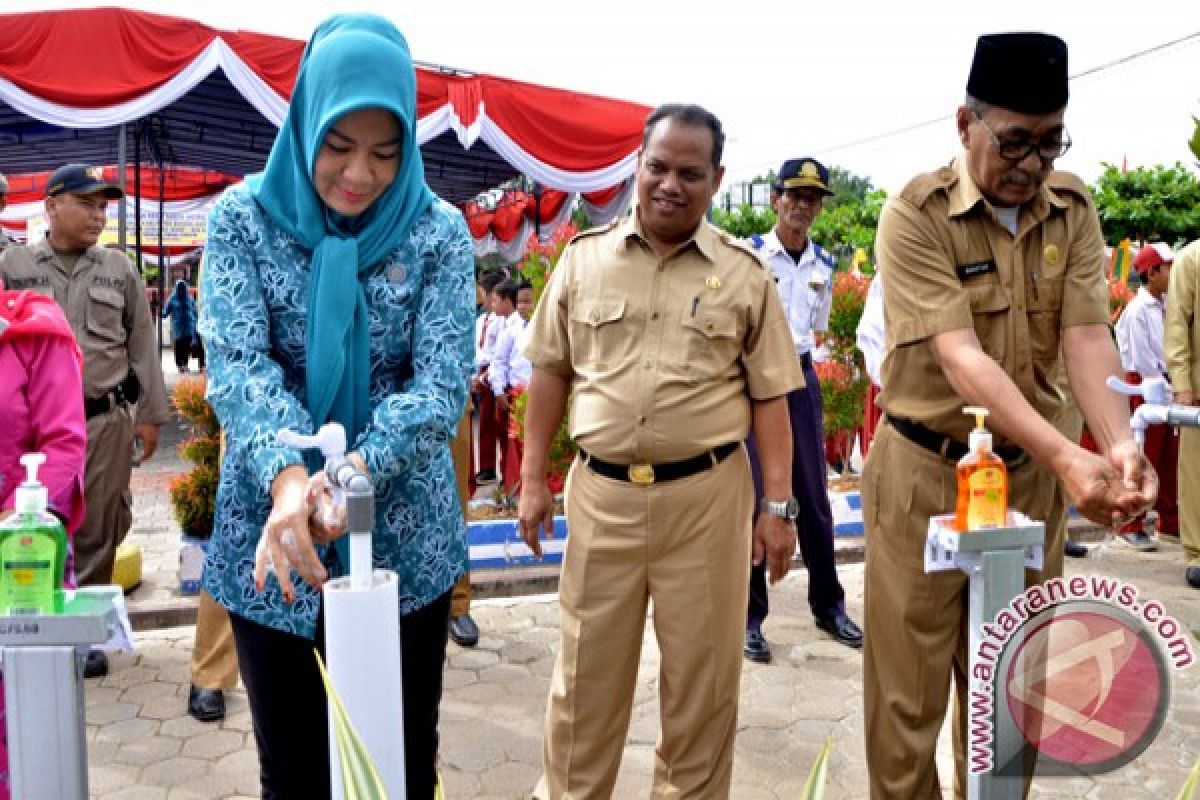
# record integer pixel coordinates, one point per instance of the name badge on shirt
(975, 269)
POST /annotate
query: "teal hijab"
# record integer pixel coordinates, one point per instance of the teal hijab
(352, 62)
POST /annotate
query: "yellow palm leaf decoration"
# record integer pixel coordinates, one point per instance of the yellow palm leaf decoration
(1191, 785)
(814, 787)
(360, 779)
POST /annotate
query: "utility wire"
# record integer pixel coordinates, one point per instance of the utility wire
(1091, 71)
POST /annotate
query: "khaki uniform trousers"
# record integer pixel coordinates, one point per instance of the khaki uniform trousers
(214, 658)
(916, 623)
(1189, 494)
(685, 545)
(460, 453)
(106, 491)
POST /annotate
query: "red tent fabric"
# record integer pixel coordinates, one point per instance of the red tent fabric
(179, 183)
(94, 68)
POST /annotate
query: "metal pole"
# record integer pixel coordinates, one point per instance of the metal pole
(121, 204)
(162, 260)
(537, 211)
(137, 194)
(995, 561)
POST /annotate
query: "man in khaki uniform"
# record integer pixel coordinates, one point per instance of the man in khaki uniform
(105, 301)
(671, 341)
(1182, 337)
(990, 265)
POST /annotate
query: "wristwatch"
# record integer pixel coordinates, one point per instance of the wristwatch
(784, 509)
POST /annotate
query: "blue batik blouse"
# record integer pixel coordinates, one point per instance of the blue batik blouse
(253, 321)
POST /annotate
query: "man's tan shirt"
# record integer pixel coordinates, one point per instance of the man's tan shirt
(663, 354)
(105, 302)
(950, 264)
(1182, 334)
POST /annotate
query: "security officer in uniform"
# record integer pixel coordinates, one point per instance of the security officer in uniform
(105, 301)
(803, 274)
(990, 265)
(671, 342)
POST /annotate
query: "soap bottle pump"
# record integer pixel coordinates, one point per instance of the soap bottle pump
(982, 481)
(33, 549)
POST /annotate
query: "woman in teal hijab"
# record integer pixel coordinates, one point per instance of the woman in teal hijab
(337, 287)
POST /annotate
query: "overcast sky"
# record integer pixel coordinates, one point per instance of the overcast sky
(798, 78)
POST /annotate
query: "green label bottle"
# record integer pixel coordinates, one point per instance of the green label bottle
(33, 550)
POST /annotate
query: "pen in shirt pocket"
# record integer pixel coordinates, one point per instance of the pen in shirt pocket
(695, 304)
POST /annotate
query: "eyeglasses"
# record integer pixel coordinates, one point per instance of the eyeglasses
(1018, 148)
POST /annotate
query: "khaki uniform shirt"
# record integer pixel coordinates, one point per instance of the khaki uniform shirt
(1182, 334)
(950, 264)
(663, 354)
(105, 302)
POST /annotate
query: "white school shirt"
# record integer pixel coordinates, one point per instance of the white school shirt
(1140, 335)
(487, 330)
(509, 366)
(870, 334)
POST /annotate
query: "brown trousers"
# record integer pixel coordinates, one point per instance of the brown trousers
(916, 623)
(1189, 499)
(106, 491)
(214, 659)
(685, 545)
(460, 452)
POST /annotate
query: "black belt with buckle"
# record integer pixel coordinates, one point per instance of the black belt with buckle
(950, 448)
(95, 406)
(647, 474)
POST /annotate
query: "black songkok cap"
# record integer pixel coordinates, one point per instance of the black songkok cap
(1022, 72)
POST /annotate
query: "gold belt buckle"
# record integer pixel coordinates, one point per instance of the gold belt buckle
(641, 474)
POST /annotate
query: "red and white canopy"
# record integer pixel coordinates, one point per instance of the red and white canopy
(212, 99)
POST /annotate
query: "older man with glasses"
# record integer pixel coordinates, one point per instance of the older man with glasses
(994, 271)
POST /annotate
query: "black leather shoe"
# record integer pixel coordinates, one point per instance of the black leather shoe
(1075, 549)
(206, 705)
(756, 648)
(96, 665)
(842, 628)
(464, 631)
(1193, 577)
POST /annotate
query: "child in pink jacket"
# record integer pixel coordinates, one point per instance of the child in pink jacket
(41, 403)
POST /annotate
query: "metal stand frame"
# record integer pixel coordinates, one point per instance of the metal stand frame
(995, 561)
(43, 694)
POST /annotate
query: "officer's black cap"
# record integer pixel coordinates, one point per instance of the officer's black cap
(799, 173)
(1022, 72)
(81, 179)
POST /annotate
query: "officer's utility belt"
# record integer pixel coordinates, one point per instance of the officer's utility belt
(647, 474)
(949, 448)
(124, 393)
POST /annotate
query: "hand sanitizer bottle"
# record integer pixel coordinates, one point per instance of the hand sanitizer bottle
(982, 481)
(33, 550)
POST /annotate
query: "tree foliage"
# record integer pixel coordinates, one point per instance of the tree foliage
(745, 220)
(1149, 202)
(851, 225)
(847, 187)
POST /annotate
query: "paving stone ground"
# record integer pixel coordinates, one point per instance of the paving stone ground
(142, 744)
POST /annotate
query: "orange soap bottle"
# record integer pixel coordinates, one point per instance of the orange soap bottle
(982, 481)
